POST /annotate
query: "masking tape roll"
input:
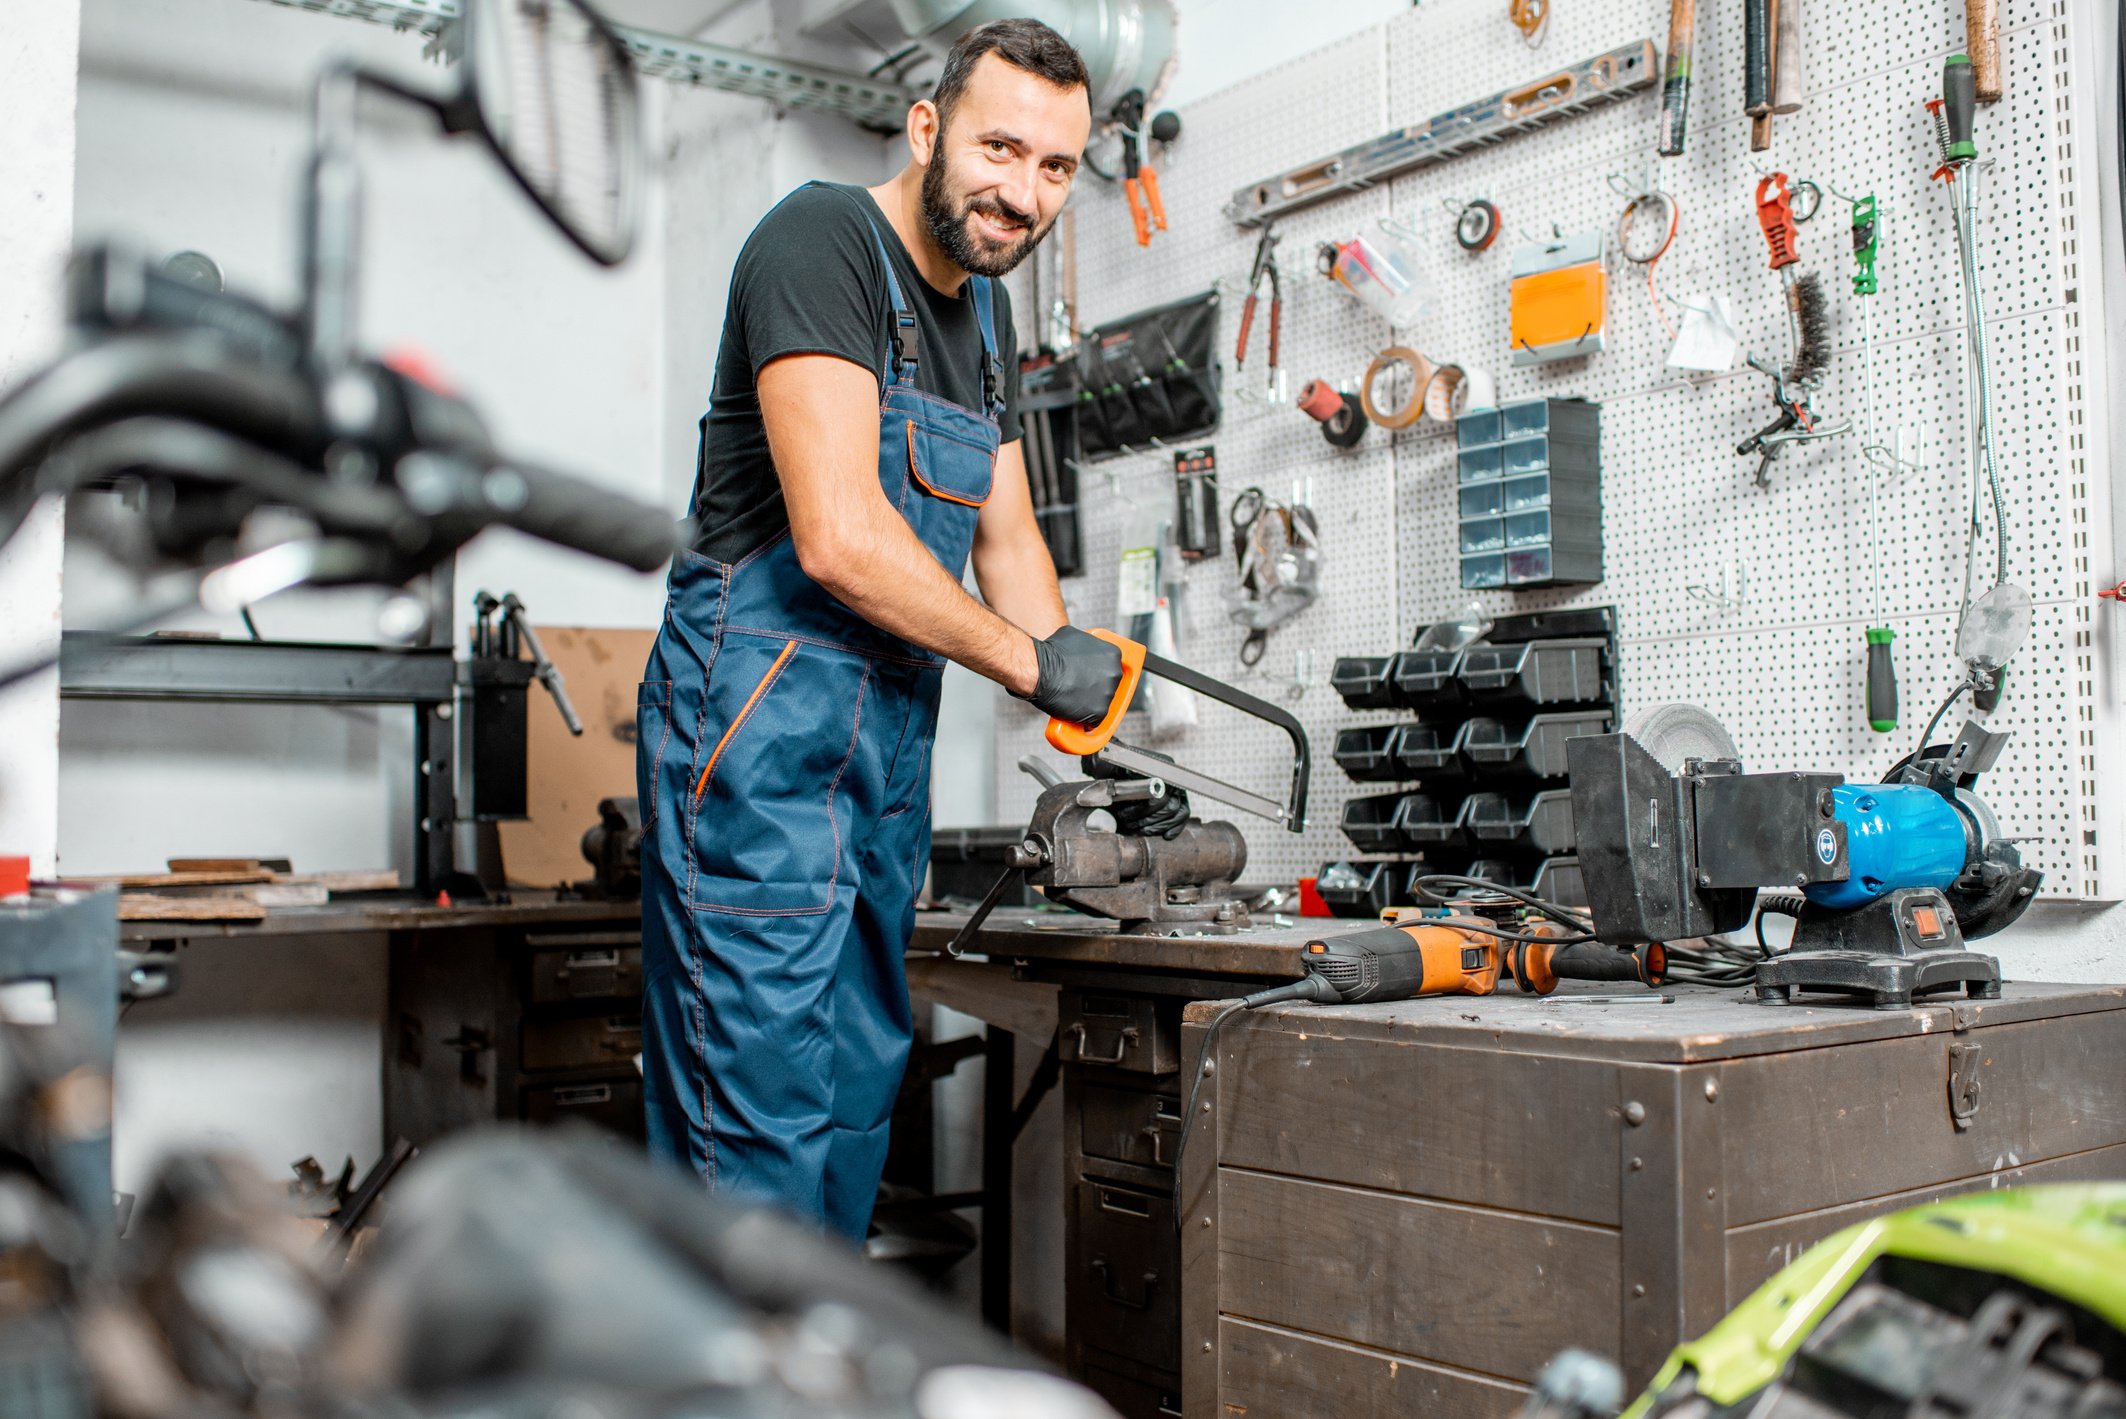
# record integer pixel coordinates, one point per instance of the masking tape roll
(1420, 375)
(1453, 391)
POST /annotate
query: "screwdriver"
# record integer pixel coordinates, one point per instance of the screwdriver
(1882, 670)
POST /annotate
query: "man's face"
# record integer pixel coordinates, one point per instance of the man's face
(997, 177)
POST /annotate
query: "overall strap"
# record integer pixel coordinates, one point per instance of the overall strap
(992, 366)
(900, 335)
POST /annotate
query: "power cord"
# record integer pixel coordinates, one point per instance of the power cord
(1312, 987)
(1573, 921)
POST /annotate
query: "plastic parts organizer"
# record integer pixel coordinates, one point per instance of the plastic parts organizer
(1530, 491)
(1479, 759)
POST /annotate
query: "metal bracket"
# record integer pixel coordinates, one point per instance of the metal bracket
(1964, 1084)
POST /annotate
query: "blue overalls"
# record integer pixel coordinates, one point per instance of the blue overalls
(783, 765)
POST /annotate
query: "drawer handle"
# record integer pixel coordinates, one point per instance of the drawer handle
(1124, 1204)
(577, 960)
(583, 1095)
(1158, 1137)
(1107, 1287)
(623, 1024)
(1129, 1035)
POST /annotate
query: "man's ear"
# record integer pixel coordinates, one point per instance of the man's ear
(923, 131)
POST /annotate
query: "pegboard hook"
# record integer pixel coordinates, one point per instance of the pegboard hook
(1732, 591)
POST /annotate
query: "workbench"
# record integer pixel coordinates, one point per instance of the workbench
(530, 1009)
(1412, 1207)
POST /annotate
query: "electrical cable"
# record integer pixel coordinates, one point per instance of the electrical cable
(1641, 257)
(1926, 735)
(1788, 904)
(1564, 916)
(1311, 988)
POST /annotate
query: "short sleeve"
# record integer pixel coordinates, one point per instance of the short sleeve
(806, 283)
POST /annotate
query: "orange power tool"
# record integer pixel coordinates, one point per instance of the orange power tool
(1463, 956)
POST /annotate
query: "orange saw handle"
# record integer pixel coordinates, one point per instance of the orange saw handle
(1076, 738)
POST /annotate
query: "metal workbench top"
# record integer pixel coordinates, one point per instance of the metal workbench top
(1701, 1025)
(1270, 952)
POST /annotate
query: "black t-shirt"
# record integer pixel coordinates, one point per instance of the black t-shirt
(809, 281)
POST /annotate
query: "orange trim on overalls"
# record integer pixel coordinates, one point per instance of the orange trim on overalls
(789, 649)
(915, 468)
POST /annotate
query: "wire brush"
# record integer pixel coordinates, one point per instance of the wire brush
(1812, 310)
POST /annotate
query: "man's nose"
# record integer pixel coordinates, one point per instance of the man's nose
(1021, 190)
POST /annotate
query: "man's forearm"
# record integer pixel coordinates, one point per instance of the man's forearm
(1018, 580)
(884, 573)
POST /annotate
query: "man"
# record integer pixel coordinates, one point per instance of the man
(860, 443)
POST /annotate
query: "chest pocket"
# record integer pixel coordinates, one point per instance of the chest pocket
(949, 467)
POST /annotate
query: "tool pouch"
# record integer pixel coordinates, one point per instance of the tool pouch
(1150, 377)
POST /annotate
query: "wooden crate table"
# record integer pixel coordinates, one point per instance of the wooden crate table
(1409, 1208)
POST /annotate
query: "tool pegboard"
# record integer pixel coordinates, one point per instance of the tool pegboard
(1748, 601)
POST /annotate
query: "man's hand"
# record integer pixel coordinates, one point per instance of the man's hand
(1144, 818)
(1079, 675)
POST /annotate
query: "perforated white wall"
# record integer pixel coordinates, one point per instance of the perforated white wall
(1783, 668)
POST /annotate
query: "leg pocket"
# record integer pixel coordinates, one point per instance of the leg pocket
(773, 802)
(653, 734)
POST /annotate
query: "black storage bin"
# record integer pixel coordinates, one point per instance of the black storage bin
(1362, 681)
(1536, 748)
(1546, 672)
(1371, 893)
(1541, 822)
(1558, 879)
(1371, 822)
(1431, 822)
(1427, 679)
(1430, 753)
(1368, 755)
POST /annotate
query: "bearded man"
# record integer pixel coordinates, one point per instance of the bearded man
(860, 446)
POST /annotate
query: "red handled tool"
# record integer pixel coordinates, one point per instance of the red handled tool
(1265, 266)
(1775, 213)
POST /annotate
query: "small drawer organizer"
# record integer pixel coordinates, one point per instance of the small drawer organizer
(1530, 491)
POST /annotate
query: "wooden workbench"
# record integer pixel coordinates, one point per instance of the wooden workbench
(1410, 1208)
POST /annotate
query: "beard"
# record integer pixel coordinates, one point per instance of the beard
(949, 217)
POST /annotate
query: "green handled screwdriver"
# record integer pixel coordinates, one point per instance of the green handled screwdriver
(1882, 670)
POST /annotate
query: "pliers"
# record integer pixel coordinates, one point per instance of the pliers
(1139, 182)
(1265, 265)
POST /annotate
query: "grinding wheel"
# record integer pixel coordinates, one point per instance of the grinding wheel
(1673, 733)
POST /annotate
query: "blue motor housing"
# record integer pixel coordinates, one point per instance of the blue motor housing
(1897, 835)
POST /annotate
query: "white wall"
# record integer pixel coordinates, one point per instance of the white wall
(37, 86)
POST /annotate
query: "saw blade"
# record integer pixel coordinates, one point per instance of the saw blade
(1675, 732)
(1136, 760)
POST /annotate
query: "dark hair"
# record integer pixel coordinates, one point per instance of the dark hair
(1023, 44)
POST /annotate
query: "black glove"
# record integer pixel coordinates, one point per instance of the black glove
(1078, 678)
(1144, 817)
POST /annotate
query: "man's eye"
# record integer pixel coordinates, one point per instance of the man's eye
(997, 145)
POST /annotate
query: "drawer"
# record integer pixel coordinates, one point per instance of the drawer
(599, 972)
(1119, 1031)
(611, 1104)
(584, 1042)
(1128, 1125)
(1133, 1397)
(1123, 1293)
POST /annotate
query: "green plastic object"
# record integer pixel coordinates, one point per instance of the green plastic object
(1864, 245)
(2067, 1240)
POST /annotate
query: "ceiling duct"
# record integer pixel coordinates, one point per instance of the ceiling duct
(1127, 44)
